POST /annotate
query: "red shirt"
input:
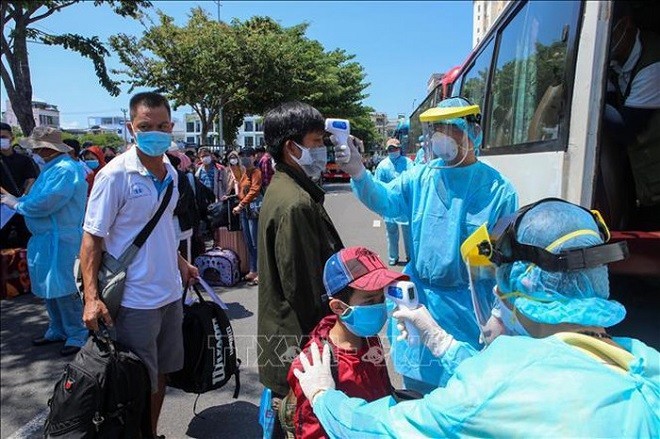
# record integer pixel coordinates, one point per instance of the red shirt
(361, 374)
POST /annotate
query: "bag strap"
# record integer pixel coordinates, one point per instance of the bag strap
(11, 177)
(141, 238)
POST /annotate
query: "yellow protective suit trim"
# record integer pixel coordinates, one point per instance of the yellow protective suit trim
(616, 358)
(470, 247)
(437, 114)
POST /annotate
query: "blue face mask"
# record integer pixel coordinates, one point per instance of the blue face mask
(365, 320)
(153, 143)
(92, 164)
(510, 320)
(394, 155)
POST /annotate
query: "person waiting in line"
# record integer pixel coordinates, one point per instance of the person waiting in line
(235, 172)
(556, 372)
(386, 171)
(265, 164)
(53, 211)
(296, 237)
(108, 152)
(354, 280)
(444, 201)
(17, 175)
(212, 173)
(249, 193)
(95, 160)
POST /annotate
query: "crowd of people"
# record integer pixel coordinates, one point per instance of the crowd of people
(509, 338)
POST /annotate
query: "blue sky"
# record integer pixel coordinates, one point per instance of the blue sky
(399, 43)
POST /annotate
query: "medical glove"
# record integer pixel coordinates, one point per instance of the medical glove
(434, 337)
(9, 200)
(317, 376)
(354, 166)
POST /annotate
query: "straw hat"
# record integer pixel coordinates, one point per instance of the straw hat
(45, 137)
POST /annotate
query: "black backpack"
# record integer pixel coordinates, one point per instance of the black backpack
(209, 349)
(105, 392)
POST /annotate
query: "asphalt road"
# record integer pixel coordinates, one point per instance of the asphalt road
(28, 373)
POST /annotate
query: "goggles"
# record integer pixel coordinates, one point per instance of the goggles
(501, 246)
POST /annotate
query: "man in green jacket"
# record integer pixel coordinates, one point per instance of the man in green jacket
(296, 237)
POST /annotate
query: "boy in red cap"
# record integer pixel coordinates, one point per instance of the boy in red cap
(354, 280)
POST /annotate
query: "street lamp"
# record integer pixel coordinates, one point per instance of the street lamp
(221, 140)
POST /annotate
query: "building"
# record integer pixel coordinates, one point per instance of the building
(484, 14)
(45, 114)
(250, 133)
(434, 80)
(108, 124)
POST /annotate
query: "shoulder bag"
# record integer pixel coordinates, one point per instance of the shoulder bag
(112, 271)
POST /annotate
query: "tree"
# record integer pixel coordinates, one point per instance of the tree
(19, 17)
(244, 67)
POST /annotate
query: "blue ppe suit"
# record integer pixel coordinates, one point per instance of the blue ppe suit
(518, 387)
(54, 210)
(419, 157)
(387, 171)
(443, 207)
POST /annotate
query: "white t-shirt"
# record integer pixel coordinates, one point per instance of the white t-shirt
(645, 88)
(123, 199)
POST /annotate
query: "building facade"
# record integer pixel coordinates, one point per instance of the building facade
(434, 80)
(250, 133)
(45, 114)
(484, 14)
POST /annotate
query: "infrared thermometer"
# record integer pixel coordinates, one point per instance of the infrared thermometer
(341, 129)
(404, 294)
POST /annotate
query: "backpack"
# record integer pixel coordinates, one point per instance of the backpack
(209, 349)
(219, 267)
(105, 392)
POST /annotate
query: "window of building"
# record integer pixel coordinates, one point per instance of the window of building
(249, 141)
(259, 125)
(190, 127)
(198, 126)
(261, 141)
(190, 139)
(249, 126)
(529, 80)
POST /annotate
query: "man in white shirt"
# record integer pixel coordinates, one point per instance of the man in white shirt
(126, 194)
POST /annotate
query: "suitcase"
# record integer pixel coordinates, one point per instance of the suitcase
(14, 276)
(219, 267)
(223, 238)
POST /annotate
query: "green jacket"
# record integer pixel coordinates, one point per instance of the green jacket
(296, 237)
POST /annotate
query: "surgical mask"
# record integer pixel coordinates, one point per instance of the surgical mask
(394, 155)
(444, 147)
(246, 161)
(306, 156)
(5, 143)
(92, 164)
(153, 143)
(233, 161)
(510, 320)
(365, 320)
(206, 160)
(39, 160)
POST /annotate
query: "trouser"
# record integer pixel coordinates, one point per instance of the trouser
(66, 320)
(250, 229)
(392, 230)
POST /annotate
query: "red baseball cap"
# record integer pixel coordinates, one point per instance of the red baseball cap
(359, 268)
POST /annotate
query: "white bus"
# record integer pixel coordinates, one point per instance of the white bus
(540, 77)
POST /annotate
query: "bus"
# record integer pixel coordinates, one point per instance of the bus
(540, 76)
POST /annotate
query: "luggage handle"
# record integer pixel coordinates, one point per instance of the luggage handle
(214, 296)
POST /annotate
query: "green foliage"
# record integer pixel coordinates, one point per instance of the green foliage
(19, 17)
(247, 67)
(101, 139)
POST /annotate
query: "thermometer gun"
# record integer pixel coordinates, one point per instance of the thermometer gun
(404, 294)
(341, 129)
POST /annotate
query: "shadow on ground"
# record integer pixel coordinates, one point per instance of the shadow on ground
(226, 420)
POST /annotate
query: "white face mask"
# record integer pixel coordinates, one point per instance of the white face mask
(233, 161)
(5, 143)
(306, 156)
(444, 147)
(206, 160)
(510, 320)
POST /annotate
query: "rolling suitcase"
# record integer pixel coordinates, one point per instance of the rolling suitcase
(233, 241)
(219, 267)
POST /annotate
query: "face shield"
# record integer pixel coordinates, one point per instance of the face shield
(450, 133)
(484, 250)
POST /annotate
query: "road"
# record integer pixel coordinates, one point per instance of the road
(28, 373)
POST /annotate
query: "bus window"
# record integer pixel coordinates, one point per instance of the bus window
(475, 79)
(529, 86)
